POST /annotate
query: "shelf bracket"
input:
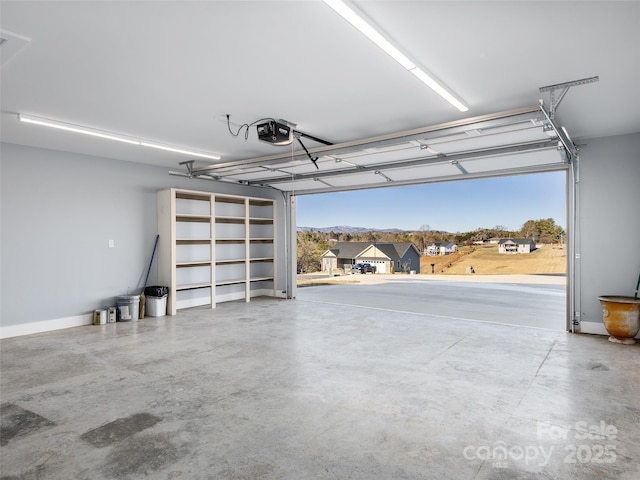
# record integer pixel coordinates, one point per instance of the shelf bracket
(562, 89)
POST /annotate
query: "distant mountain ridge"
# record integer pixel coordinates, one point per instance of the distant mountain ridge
(349, 229)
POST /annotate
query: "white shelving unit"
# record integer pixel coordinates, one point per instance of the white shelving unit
(215, 248)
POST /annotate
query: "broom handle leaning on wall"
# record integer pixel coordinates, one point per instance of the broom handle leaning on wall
(151, 262)
(142, 296)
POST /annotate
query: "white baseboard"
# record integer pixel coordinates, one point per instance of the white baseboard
(596, 328)
(193, 302)
(9, 331)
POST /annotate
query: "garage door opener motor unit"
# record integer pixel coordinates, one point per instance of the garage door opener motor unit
(274, 132)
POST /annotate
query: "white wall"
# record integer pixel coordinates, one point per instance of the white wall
(608, 223)
(58, 211)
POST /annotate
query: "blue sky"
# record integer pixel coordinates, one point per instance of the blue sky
(450, 206)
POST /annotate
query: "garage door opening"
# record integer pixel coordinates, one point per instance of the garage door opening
(491, 249)
(509, 144)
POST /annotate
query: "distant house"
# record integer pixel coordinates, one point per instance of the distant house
(386, 257)
(516, 245)
(441, 248)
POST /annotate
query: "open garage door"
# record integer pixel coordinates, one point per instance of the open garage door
(513, 142)
(517, 141)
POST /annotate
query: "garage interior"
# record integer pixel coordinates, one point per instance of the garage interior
(281, 387)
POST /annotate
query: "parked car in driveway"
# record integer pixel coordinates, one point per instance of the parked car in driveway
(363, 268)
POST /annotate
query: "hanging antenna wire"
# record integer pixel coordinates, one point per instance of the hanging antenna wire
(246, 126)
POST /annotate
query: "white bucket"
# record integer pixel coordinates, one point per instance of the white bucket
(128, 308)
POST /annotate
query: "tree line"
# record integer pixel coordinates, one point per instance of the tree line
(313, 243)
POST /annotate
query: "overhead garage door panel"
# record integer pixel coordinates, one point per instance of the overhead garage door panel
(518, 141)
(490, 139)
(364, 180)
(520, 161)
(429, 172)
(395, 153)
(300, 186)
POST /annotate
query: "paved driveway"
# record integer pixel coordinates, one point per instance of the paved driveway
(531, 303)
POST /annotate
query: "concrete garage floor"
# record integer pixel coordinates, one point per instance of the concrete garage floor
(529, 300)
(302, 389)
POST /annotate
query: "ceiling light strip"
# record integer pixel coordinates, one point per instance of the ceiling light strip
(69, 127)
(75, 129)
(178, 150)
(439, 89)
(357, 20)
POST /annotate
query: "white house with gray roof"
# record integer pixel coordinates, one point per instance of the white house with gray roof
(387, 257)
(441, 248)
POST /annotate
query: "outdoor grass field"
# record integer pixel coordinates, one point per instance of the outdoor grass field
(485, 259)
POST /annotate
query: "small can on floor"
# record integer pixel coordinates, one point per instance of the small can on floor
(99, 317)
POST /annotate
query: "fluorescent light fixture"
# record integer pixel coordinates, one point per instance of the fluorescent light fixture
(69, 127)
(439, 89)
(357, 20)
(371, 33)
(74, 128)
(179, 150)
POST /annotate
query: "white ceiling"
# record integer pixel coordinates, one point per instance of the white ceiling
(169, 71)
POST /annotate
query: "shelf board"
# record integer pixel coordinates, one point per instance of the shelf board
(193, 241)
(204, 197)
(261, 259)
(219, 283)
(230, 240)
(230, 219)
(231, 261)
(261, 239)
(184, 217)
(187, 241)
(193, 286)
(261, 221)
(225, 199)
(260, 279)
(260, 203)
(199, 263)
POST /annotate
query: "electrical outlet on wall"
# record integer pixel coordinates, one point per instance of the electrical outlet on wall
(112, 243)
